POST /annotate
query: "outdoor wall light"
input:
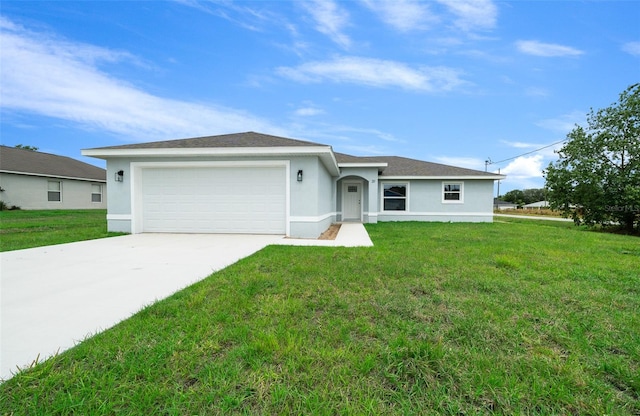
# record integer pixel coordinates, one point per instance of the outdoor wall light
(120, 176)
(300, 175)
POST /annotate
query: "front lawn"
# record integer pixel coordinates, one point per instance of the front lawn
(25, 228)
(505, 318)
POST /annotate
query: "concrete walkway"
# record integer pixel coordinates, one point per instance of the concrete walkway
(350, 235)
(53, 297)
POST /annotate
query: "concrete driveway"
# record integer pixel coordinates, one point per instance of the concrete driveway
(54, 297)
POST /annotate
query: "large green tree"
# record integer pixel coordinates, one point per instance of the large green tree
(597, 177)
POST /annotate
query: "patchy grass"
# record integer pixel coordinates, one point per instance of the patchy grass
(26, 229)
(505, 318)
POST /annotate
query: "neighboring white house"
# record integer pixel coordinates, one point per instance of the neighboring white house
(257, 183)
(37, 180)
(537, 205)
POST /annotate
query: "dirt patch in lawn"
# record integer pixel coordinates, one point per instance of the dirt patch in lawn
(331, 232)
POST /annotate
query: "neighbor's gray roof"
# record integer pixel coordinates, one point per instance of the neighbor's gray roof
(402, 166)
(247, 139)
(39, 163)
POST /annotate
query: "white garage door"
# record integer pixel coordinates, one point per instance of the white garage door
(246, 200)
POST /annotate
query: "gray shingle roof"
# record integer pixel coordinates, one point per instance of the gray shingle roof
(40, 163)
(397, 166)
(402, 166)
(247, 139)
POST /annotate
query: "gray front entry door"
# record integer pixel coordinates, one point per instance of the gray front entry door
(352, 201)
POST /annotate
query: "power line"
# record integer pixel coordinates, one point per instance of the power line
(490, 162)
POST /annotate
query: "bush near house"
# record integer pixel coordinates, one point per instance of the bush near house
(434, 319)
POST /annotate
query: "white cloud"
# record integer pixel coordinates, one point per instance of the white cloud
(562, 124)
(408, 15)
(330, 19)
(376, 73)
(308, 111)
(463, 162)
(632, 48)
(473, 14)
(56, 78)
(524, 172)
(537, 92)
(524, 167)
(403, 15)
(520, 145)
(369, 133)
(536, 48)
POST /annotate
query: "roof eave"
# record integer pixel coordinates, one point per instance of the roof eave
(445, 177)
(363, 165)
(48, 175)
(323, 152)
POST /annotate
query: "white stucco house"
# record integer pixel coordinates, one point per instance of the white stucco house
(257, 183)
(537, 205)
(38, 180)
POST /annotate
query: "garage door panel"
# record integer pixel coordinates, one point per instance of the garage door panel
(214, 200)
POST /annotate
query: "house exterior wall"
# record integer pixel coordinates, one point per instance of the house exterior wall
(425, 201)
(310, 203)
(312, 199)
(31, 192)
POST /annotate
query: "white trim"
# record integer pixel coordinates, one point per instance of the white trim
(318, 218)
(452, 201)
(101, 186)
(136, 178)
(448, 178)
(119, 217)
(43, 175)
(59, 191)
(436, 214)
(345, 184)
(208, 151)
(363, 165)
(406, 198)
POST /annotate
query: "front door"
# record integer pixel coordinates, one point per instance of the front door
(352, 201)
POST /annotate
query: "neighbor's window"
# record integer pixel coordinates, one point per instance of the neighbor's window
(54, 193)
(96, 193)
(394, 197)
(452, 192)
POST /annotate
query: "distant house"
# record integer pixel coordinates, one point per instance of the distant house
(537, 205)
(502, 205)
(37, 180)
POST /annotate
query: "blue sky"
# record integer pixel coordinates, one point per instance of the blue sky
(448, 81)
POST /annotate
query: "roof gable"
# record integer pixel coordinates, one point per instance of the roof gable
(30, 162)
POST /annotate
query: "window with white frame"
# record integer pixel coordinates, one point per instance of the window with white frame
(54, 191)
(452, 192)
(394, 196)
(96, 192)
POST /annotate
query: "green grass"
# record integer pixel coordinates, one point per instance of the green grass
(521, 317)
(25, 229)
